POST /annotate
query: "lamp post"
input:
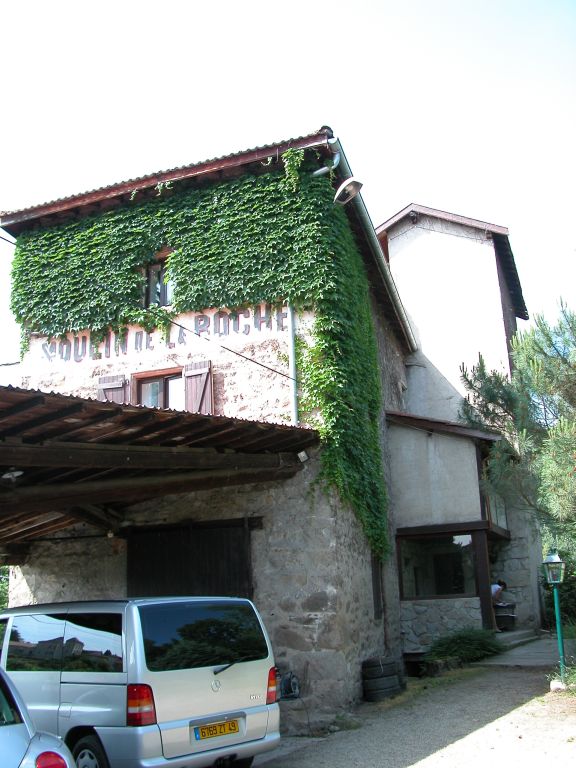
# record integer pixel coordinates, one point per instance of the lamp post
(554, 571)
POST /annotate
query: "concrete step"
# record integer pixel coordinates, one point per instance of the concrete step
(517, 637)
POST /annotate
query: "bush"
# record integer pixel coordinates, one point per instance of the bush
(466, 645)
(566, 595)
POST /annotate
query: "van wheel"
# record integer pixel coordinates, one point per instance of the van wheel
(88, 753)
(246, 762)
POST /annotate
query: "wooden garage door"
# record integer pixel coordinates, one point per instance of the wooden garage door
(196, 559)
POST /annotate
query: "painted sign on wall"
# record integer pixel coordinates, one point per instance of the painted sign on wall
(213, 323)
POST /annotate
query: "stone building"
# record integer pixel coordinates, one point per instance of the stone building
(241, 405)
(458, 279)
(205, 289)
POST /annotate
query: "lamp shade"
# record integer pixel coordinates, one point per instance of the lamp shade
(553, 568)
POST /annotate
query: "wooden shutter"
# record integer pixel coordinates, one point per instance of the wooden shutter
(113, 389)
(199, 394)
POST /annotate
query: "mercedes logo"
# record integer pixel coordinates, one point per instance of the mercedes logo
(216, 685)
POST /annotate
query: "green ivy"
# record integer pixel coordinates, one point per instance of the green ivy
(267, 238)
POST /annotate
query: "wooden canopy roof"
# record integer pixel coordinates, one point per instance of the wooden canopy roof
(65, 460)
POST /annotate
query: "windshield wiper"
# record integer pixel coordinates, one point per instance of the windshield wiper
(224, 667)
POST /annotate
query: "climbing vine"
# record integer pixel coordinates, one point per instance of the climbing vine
(267, 238)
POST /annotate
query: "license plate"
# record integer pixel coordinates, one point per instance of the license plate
(215, 729)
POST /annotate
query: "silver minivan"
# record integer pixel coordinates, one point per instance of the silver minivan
(147, 683)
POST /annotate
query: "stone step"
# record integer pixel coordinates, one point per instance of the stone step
(517, 637)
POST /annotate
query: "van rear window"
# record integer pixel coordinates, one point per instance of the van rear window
(190, 635)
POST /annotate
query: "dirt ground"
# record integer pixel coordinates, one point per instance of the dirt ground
(472, 717)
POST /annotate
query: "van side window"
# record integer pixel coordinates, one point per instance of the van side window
(93, 643)
(9, 713)
(188, 635)
(36, 643)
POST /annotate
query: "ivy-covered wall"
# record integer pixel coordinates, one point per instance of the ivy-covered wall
(269, 238)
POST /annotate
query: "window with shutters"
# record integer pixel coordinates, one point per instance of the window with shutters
(160, 389)
(180, 389)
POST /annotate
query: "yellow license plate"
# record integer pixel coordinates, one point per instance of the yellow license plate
(216, 729)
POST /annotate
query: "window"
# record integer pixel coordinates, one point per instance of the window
(158, 290)
(180, 389)
(164, 390)
(36, 643)
(9, 712)
(437, 566)
(93, 643)
(190, 635)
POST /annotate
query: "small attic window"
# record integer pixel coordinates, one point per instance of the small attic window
(158, 291)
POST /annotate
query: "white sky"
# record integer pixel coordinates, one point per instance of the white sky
(464, 105)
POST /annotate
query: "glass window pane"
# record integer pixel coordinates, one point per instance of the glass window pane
(36, 643)
(9, 712)
(437, 566)
(154, 286)
(169, 289)
(188, 635)
(175, 393)
(93, 643)
(151, 393)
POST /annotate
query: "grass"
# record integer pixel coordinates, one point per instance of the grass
(465, 646)
(569, 629)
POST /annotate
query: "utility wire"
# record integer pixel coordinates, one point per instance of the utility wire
(222, 346)
(233, 351)
(7, 241)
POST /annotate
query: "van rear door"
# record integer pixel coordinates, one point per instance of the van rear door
(208, 662)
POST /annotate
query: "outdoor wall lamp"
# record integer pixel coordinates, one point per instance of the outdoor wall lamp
(554, 569)
(347, 190)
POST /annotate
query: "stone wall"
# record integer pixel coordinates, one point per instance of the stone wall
(393, 385)
(423, 621)
(518, 563)
(311, 573)
(242, 388)
(311, 563)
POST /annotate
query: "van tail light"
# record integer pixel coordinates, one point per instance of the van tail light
(140, 708)
(272, 688)
(50, 760)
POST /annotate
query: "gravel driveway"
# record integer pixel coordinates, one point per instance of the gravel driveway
(497, 717)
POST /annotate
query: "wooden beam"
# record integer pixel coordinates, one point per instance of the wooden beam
(46, 418)
(106, 520)
(98, 455)
(132, 490)
(28, 404)
(14, 554)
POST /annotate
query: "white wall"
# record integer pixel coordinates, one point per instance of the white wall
(252, 384)
(434, 478)
(447, 277)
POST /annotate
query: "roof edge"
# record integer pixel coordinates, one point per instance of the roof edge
(18, 221)
(430, 424)
(455, 218)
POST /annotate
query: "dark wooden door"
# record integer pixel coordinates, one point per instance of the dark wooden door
(190, 560)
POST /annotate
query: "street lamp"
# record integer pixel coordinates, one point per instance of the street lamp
(554, 572)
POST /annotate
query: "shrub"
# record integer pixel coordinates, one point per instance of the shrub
(466, 645)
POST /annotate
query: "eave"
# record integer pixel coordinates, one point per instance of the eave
(440, 426)
(121, 193)
(66, 460)
(498, 233)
